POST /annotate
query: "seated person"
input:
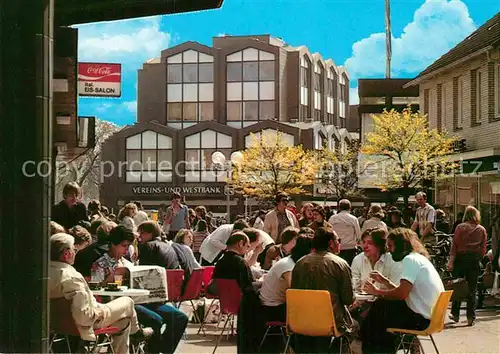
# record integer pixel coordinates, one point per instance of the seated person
(182, 247)
(85, 258)
(408, 305)
(278, 280)
(82, 237)
(55, 228)
(323, 269)
(152, 314)
(152, 249)
(486, 280)
(374, 257)
(276, 252)
(88, 314)
(232, 265)
(319, 216)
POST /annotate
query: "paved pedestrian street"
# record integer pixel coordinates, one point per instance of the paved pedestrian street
(484, 337)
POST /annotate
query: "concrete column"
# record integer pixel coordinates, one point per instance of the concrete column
(26, 28)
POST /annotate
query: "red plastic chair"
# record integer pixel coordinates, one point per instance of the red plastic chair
(175, 279)
(208, 272)
(63, 325)
(230, 298)
(192, 290)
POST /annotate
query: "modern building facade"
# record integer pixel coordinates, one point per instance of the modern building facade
(375, 95)
(461, 94)
(194, 100)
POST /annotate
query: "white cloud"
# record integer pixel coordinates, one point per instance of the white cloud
(437, 26)
(134, 40)
(131, 106)
(353, 95)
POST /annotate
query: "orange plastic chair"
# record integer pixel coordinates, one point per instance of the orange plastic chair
(303, 317)
(436, 325)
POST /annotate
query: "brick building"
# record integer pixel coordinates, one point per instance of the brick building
(461, 94)
(194, 100)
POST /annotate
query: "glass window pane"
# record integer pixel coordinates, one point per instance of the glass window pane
(189, 111)
(164, 176)
(208, 139)
(250, 91)
(174, 93)
(208, 176)
(234, 111)
(265, 55)
(234, 57)
(192, 141)
(192, 159)
(267, 110)
(206, 92)
(134, 160)
(250, 54)
(175, 58)
(266, 70)
(234, 91)
(134, 142)
(190, 56)
(174, 73)
(174, 111)
(206, 111)
(149, 140)
(266, 90)
(190, 92)
(224, 141)
(149, 160)
(133, 176)
(206, 72)
(164, 142)
(234, 72)
(206, 159)
(192, 176)
(251, 71)
(148, 176)
(205, 58)
(164, 159)
(190, 73)
(250, 110)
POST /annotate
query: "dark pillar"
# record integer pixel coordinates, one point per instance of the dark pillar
(25, 140)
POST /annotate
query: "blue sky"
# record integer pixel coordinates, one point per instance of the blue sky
(351, 32)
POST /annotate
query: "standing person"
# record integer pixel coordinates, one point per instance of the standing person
(319, 216)
(126, 216)
(307, 215)
(376, 214)
(279, 218)
(70, 211)
(259, 220)
(347, 228)
(467, 250)
(214, 244)
(425, 218)
(177, 216)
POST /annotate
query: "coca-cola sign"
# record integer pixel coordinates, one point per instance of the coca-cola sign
(99, 79)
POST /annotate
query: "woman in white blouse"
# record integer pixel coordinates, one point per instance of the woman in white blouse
(374, 258)
(126, 216)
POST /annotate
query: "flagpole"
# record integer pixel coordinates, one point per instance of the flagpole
(388, 39)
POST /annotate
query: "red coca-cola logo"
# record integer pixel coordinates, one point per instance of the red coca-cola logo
(99, 70)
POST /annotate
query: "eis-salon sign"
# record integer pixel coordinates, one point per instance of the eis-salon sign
(99, 79)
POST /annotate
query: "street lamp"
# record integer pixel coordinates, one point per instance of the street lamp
(221, 164)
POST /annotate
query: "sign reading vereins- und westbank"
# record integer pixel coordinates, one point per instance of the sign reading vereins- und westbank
(99, 79)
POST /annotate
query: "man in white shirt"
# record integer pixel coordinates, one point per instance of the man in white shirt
(425, 217)
(214, 245)
(347, 228)
(408, 305)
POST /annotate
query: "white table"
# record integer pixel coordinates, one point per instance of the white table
(123, 292)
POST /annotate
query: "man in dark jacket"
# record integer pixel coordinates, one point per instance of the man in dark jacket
(153, 250)
(70, 211)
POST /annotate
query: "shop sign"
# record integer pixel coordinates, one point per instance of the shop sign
(99, 79)
(215, 190)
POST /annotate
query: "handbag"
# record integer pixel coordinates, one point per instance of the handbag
(459, 286)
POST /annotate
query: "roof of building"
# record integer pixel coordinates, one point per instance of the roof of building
(485, 36)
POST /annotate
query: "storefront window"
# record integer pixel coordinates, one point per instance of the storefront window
(489, 199)
(445, 197)
(148, 158)
(466, 193)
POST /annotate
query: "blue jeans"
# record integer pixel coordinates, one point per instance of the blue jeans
(156, 315)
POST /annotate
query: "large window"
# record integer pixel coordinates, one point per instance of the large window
(250, 85)
(190, 88)
(288, 139)
(199, 148)
(149, 158)
(305, 84)
(497, 90)
(460, 102)
(330, 95)
(342, 96)
(479, 96)
(318, 90)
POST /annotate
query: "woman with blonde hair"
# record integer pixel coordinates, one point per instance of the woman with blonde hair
(467, 250)
(126, 216)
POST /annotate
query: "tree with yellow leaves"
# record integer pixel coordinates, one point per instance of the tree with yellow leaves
(270, 165)
(407, 151)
